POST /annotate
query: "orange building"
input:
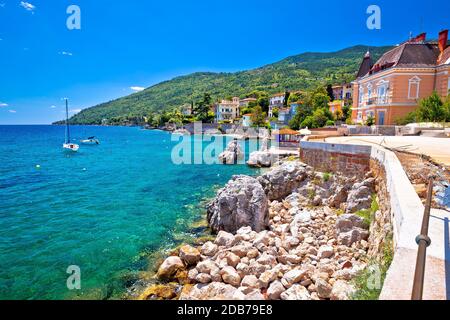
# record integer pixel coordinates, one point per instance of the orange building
(391, 88)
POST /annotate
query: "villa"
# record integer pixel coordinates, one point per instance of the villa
(276, 101)
(228, 110)
(391, 88)
(245, 102)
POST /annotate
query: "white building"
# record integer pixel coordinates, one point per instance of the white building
(276, 101)
(228, 110)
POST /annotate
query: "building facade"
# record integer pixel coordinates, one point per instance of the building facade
(245, 102)
(276, 101)
(391, 88)
(228, 110)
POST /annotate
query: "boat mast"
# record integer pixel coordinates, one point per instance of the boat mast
(67, 122)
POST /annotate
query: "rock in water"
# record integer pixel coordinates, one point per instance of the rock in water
(283, 180)
(169, 267)
(232, 154)
(261, 159)
(242, 203)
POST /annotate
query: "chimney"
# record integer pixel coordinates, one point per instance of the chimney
(443, 37)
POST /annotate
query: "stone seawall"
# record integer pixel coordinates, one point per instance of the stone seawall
(398, 221)
(349, 160)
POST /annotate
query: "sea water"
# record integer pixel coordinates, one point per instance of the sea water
(104, 209)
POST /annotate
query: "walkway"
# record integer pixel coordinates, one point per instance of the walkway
(436, 148)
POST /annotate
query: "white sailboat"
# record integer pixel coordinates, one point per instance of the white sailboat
(68, 146)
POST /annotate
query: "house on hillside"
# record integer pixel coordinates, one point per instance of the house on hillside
(245, 102)
(286, 114)
(390, 88)
(276, 101)
(186, 109)
(228, 110)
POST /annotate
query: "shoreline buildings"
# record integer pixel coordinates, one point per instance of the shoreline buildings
(391, 88)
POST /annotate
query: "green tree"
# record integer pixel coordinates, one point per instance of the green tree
(202, 109)
(320, 100)
(263, 101)
(370, 121)
(432, 109)
(330, 92)
(258, 117)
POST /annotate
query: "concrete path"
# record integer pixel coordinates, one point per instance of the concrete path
(436, 148)
(437, 270)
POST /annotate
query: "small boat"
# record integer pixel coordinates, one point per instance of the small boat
(91, 141)
(68, 146)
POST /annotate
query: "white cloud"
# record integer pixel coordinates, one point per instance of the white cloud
(52, 107)
(137, 89)
(66, 53)
(12, 111)
(75, 111)
(3, 104)
(27, 6)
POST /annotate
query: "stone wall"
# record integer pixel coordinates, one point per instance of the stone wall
(381, 230)
(349, 160)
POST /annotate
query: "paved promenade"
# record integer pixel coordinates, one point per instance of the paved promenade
(436, 148)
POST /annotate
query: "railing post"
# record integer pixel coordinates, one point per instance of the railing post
(423, 241)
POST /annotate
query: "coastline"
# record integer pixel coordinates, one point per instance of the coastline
(227, 265)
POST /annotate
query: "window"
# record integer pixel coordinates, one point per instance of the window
(361, 94)
(414, 88)
(448, 86)
(359, 116)
(369, 90)
(382, 91)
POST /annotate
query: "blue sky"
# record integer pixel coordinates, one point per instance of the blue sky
(138, 43)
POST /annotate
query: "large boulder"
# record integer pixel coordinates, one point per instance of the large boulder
(283, 180)
(169, 267)
(262, 159)
(351, 228)
(189, 255)
(240, 204)
(232, 154)
(360, 195)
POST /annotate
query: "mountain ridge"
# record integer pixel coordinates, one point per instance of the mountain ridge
(296, 72)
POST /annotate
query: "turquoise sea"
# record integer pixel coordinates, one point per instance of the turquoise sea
(105, 209)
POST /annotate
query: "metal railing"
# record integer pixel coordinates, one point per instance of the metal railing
(423, 241)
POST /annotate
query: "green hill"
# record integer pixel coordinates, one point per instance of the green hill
(298, 72)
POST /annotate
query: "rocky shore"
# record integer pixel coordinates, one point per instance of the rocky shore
(290, 234)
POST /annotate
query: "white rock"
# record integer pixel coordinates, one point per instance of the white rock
(203, 278)
(170, 266)
(323, 288)
(232, 259)
(250, 281)
(224, 239)
(189, 255)
(231, 276)
(342, 290)
(292, 277)
(209, 249)
(325, 252)
(275, 290)
(296, 292)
